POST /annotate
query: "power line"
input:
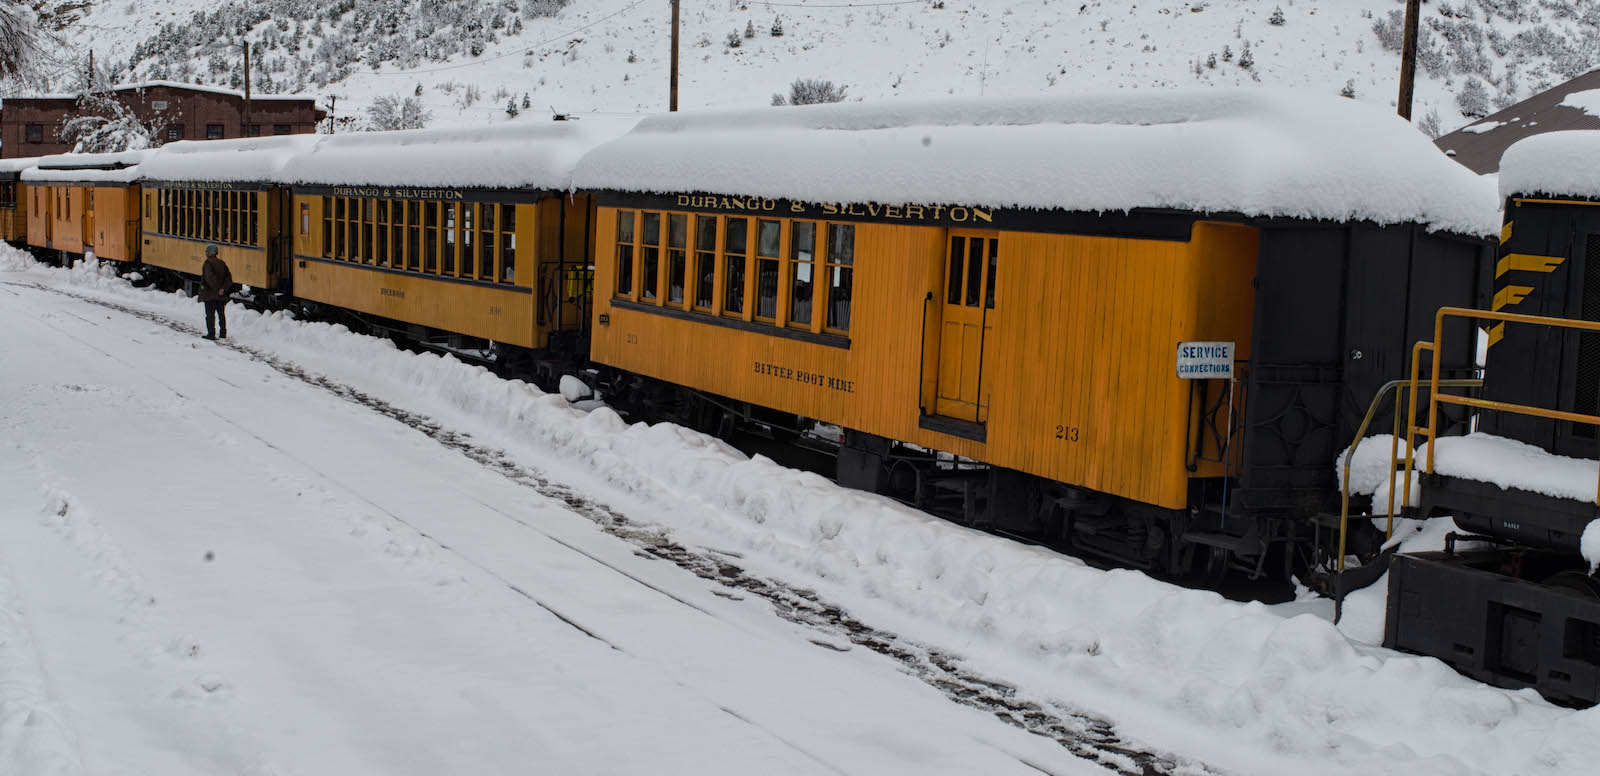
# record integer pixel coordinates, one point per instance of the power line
(546, 42)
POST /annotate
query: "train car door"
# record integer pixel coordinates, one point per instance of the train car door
(87, 221)
(967, 324)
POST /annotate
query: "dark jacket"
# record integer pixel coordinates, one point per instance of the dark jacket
(215, 280)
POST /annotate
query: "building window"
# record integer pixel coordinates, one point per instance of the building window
(213, 131)
(254, 130)
(35, 133)
(282, 129)
(175, 132)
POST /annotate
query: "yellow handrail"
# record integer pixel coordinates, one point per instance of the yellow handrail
(1434, 383)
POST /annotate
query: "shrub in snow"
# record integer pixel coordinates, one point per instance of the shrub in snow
(1349, 89)
(390, 112)
(632, 57)
(511, 108)
(526, 103)
(733, 40)
(1227, 53)
(1473, 99)
(810, 91)
(418, 91)
(777, 27)
(1276, 19)
(1211, 61)
(1429, 125)
(1247, 60)
(749, 29)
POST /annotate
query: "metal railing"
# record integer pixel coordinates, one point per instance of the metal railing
(1434, 384)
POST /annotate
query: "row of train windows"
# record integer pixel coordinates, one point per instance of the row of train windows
(748, 268)
(213, 216)
(454, 239)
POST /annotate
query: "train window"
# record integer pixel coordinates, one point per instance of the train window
(486, 241)
(448, 264)
(397, 219)
(413, 236)
(147, 197)
(380, 234)
(974, 270)
(327, 227)
(994, 257)
(508, 243)
(958, 253)
(430, 238)
(768, 242)
(353, 212)
(802, 266)
(305, 218)
(339, 221)
(367, 256)
(677, 255)
(468, 259)
(235, 222)
(649, 255)
(840, 280)
(735, 246)
(625, 253)
(705, 261)
(254, 236)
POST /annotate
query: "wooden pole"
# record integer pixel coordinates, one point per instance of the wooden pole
(672, 101)
(1408, 58)
(88, 84)
(246, 132)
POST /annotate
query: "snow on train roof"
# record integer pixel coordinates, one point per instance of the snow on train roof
(120, 167)
(1553, 163)
(252, 160)
(18, 164)
(1259, 152)
(538, 154)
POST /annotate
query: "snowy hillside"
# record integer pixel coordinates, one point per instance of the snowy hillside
(471, 58)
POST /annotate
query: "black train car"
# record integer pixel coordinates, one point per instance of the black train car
(1523, 608)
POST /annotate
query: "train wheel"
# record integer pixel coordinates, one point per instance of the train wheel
(1576, 583)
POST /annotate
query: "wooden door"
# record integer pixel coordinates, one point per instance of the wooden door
(967, 324)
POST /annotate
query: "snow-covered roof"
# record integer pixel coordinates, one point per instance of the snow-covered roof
(1553, 163)
(1258, 152)
(536, 154)
(18, 164)
(117, 168)
(254, 159)
(254, 97)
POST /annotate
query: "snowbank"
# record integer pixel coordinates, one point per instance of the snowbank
(1553, 163)
(1512, 464)
(1245, 675)
(523, 155)
(1259, 152)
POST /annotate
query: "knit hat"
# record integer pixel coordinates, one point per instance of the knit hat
(211, 249)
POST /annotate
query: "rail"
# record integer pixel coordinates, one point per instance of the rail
(1394, 452)
(1431, 431)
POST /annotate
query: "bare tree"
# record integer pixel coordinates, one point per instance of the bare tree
(391, 112)
(810, 91)
(19, 38)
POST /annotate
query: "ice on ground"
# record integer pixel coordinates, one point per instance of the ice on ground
(1259, 152)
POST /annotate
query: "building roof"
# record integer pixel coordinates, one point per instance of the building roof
(1480, 145)
(254, 97)
(1256, 152)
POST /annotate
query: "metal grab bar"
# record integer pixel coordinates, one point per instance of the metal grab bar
(1434, 399)
(1394, 453)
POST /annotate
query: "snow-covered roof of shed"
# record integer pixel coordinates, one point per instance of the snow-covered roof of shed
(142, 85)
(117, 168)
(1553, 163)
(537, 154)
(253, 159)
(1258, 152)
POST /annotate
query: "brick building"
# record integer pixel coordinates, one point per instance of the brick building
(31, 126)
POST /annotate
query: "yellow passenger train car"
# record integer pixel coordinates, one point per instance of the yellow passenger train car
(14, 200)
(83, 204)
(1013, 324)
(473, 246)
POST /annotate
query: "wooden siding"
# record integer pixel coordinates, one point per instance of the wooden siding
(14, 220)
(116, 222)
(1083, 337)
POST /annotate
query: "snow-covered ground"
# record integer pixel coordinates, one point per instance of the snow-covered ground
(304, 551)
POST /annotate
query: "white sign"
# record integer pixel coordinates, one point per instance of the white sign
(1205, 360)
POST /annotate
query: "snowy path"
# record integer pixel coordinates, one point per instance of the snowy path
(225, 570)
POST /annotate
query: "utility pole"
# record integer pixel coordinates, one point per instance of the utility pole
(672, 102)
(88, 83)
(1408, 58)
(246, 132)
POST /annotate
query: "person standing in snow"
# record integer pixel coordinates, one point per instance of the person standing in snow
(215, 284)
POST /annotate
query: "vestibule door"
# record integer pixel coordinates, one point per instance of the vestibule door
(968, 323)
